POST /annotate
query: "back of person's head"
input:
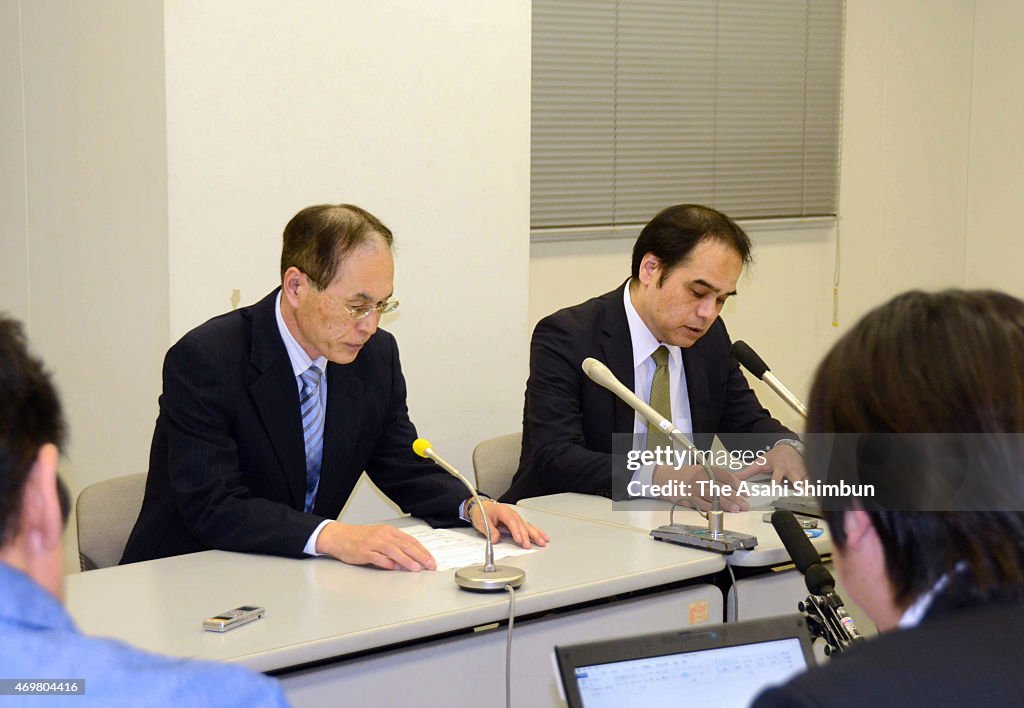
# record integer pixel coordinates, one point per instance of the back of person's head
(673, 234)
(907, 377)
(318, 238)
(30, 417)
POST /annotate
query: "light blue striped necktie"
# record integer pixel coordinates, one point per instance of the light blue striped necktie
(312, 431)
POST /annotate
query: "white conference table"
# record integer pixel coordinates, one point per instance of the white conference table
(646, 514)
(774, 591)
(403, 638)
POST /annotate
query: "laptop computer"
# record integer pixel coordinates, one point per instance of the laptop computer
(726, 665)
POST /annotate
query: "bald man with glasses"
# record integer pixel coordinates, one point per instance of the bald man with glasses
(270, 414)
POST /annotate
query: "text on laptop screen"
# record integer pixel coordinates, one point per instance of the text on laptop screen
(728, 676)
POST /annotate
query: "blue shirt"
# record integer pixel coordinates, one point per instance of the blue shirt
(39, 641)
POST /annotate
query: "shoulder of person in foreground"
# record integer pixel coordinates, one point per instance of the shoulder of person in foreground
(115, 673)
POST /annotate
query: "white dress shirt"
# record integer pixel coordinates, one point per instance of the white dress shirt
(300, 362)
(644, 345)
(913, 615)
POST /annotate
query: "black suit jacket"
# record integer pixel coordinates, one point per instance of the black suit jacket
(568, 421)
(227, 464)
(971, 657)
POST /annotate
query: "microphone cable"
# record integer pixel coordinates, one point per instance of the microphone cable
(735, 593)
(508, 645)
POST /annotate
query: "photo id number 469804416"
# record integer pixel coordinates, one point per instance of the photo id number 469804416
(42, 687)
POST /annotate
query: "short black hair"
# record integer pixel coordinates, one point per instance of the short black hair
(673, 234)
(933, 363)
(30, 417)
(319, 237)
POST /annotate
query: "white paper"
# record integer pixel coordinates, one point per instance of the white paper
(456, 550)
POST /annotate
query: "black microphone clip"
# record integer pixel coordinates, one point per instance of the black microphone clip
(823, 609)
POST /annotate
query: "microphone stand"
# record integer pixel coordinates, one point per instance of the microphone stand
(827, 618)
(713, 537)
(823, 609)
(487, 577)
(752, 362)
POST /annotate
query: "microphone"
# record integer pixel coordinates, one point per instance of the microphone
(796, 542)
(603, 376)
(487, 577)
(746, 356)
(714, 537)
(826, 614)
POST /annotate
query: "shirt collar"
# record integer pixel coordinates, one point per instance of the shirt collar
(913, 615)
(296, 354)
(644, 343)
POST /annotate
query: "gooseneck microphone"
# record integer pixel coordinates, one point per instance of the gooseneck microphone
(487, 577)
(603, 376)
(750, 361)
(714, 537)
(824, 609)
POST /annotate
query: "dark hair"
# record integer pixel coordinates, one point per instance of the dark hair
(30, 417)
(675, 232)
(947, 362)
(319, 237)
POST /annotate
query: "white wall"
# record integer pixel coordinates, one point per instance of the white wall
(995, 243)
(419, 112)
(907, 103)
(13, 206)
(87, 218)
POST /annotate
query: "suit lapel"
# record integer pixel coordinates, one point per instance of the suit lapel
(341, 432)
(275, 393)
(616, 345)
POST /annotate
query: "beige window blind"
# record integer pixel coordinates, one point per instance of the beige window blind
(640, 104)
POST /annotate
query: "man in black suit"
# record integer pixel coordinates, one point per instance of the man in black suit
(940, 571)
(269, 415)
(686, 264)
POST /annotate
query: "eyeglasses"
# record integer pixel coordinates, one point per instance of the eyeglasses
(381, 308)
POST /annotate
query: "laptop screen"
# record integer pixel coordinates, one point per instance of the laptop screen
(725, 665)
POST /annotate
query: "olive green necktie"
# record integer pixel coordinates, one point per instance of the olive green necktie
(661, 398)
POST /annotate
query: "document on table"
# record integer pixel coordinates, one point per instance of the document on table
(455, 550)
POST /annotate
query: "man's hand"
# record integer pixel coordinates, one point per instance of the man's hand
(782, 461)
(700, 498)
(504, 518)
(380, 545)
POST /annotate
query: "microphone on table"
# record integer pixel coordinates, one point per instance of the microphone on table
(746, 356)
(486, 577)
(824, 609)
(714, 537)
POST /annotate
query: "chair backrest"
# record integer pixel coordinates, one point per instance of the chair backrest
(495, 462)
(106, 513)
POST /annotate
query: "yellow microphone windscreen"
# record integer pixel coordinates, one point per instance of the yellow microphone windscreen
(420, 447)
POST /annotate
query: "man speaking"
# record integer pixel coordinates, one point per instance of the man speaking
(660, 334)
(270, 414)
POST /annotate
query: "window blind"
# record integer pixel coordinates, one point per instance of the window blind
(641, 104)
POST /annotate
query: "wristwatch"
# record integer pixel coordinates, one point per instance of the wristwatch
(467, 510)
(793, 443)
